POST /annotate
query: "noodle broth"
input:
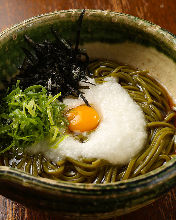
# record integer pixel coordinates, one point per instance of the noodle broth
(159, 147)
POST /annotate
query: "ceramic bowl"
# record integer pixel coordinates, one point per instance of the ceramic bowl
(104, 34)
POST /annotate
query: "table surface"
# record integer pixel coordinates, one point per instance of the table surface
(161, 12)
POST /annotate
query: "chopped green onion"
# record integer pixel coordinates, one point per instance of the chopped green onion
(30, 116)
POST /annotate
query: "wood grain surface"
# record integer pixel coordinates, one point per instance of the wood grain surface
(161, 12)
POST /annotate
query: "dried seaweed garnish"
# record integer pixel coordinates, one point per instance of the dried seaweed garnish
(58, 66)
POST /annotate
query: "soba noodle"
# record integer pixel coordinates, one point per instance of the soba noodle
(160, 146)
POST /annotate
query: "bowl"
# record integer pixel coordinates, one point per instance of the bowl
(116, 36)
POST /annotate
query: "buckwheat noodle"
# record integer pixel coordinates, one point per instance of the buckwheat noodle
(159, 148)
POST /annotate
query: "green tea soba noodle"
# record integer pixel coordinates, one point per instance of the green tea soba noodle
(159, 147)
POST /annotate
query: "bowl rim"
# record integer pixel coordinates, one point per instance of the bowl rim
(150, 179)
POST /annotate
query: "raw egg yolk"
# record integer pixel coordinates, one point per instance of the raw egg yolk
(83, 118)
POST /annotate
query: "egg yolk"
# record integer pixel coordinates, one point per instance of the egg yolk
(83, 118)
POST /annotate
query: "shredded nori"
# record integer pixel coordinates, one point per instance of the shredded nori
(58, 66)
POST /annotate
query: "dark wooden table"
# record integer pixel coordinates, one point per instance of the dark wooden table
(161, 12)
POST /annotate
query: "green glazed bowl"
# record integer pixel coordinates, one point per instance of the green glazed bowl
(104, 34)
